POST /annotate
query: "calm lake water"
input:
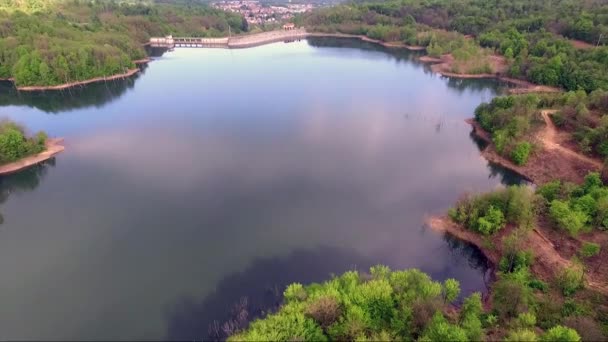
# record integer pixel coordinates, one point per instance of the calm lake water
(216, 177)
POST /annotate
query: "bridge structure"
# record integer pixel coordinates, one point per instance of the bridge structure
(241, 41)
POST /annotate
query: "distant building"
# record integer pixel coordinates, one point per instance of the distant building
(289, 26)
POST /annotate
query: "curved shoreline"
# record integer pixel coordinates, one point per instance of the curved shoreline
(367, 39)
(127, 74)
(443, 63)
(253, 40)
(53, 147)
(544, 165)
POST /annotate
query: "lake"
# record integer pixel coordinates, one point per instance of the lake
(214, 178)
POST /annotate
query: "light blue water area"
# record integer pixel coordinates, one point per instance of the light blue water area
(222, 174)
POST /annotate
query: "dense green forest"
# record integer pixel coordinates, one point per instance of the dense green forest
(385, 305)
(47, 42)
(534, 36)
(14, 143)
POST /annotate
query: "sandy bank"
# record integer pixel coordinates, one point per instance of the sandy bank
(53, 147)
(142, 61)
(129, 73)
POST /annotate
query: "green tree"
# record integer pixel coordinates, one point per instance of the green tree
(451, 290)
(561, 334)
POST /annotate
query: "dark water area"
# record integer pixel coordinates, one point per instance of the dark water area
(190, 195)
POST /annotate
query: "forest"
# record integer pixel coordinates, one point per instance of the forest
(558, 43)
(48, 42)
(385, 305)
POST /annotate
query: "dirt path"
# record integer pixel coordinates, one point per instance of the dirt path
(549, 263)
(549, 138)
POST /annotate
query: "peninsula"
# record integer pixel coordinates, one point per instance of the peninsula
(18, 151)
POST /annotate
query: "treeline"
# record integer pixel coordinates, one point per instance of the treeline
(530, 34)
(47, 42)
(387, 305)
(513, 121)
(15, 144)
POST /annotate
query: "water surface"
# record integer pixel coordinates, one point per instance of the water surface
(218, 176)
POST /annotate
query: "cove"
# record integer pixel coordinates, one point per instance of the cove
(215, 177)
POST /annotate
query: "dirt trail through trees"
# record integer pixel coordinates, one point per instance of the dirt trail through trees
(549, 138)
(549, 263)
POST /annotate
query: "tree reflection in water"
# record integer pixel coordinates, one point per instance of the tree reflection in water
(56, 101)
(244, 296)
(23, 181)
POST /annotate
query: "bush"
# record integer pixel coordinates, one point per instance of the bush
(521, 335)
(561, 334)
(491, 222)
(571, 279)
(526, 320)
(513, 262)
(589, 249)
(550, 191)
(521, 152)
(567, 218)
(15, 145)
(490, 212)
(510, 298)
(325, 311)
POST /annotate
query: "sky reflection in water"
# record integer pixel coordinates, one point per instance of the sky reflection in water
(243, 169)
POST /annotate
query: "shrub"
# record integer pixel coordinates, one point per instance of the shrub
(550, 191)
(526, 320)
(325, 311)
(561, 334)
(571, 279)
(451, 289)
(538, 285)
(521, 335)
(521, 152)
(513, 262)
(566, 218)
(441, 330)
(15, 145)
(510, 298)
(491, 222)
(589, 249)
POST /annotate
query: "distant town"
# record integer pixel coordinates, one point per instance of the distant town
(258, 13)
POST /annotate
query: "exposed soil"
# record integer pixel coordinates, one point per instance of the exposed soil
(444, 66)
(550, 137)
(53, 147)
(129, 73)
(552, 250)
(579, 44)
(548, 162)
(143, 60)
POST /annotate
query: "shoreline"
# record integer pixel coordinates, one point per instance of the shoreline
(259, 39)
(544, 164)
(440, 65)
(549, 262)
(53, 147)
(63, 86)
(367, 39)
